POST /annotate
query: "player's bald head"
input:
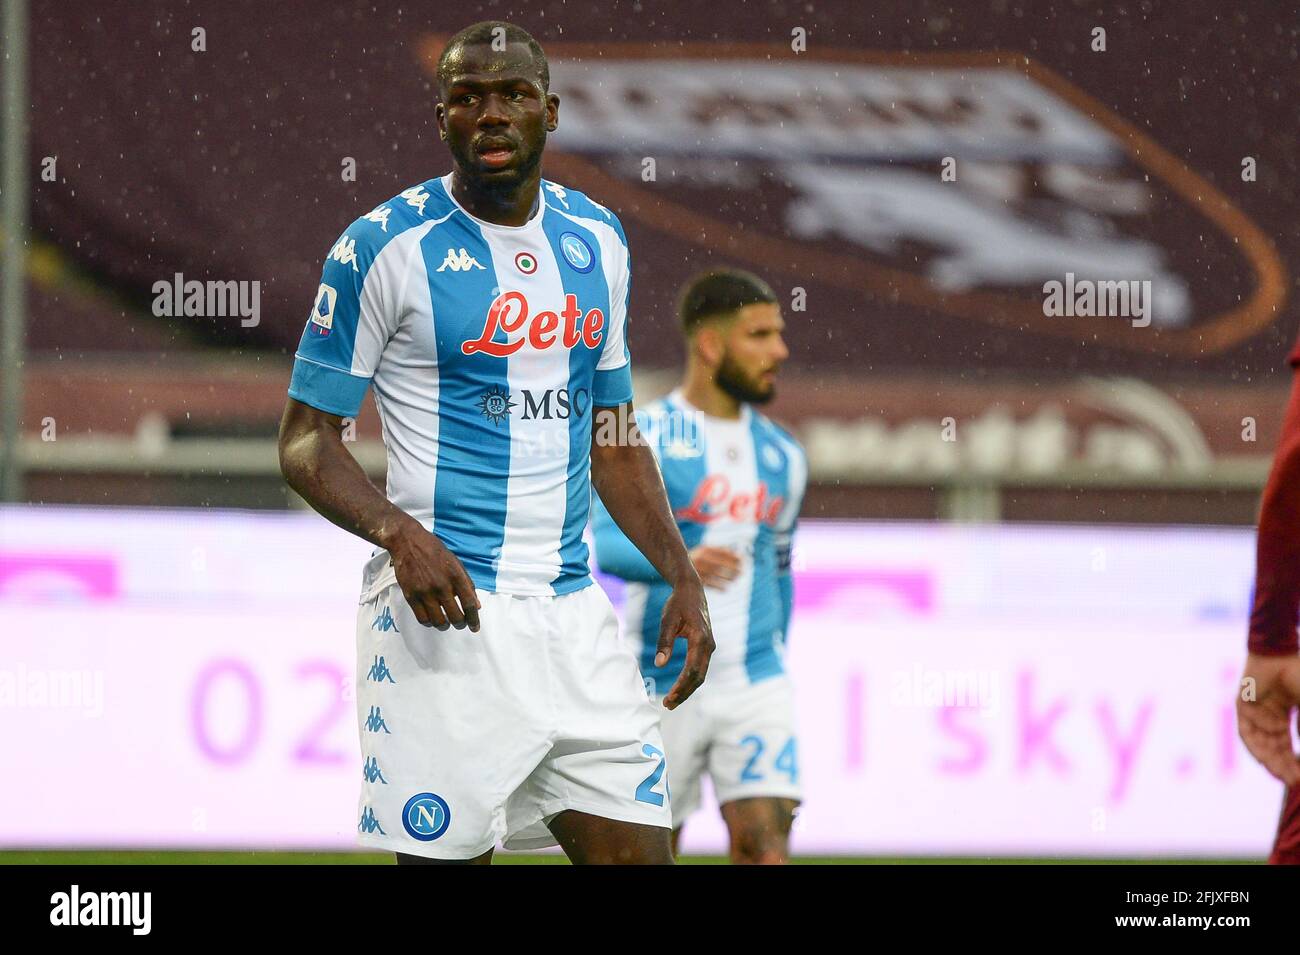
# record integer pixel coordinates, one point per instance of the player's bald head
(497, 37)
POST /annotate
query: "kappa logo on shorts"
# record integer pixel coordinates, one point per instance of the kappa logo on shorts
(384, 622)
(426, 816)
(369, 824)
(375, 721)
(379, 671)
(370, 772)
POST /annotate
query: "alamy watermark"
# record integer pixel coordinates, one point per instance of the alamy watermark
(53, 689)
(1122, 298)
(194, 299)
(922, 688)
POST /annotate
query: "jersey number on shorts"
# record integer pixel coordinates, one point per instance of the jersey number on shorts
(786, 761)
(646, 791)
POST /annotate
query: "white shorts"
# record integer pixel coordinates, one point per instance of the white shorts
(742, 735)
(473, 738)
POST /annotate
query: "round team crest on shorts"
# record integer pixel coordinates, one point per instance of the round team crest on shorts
(576, 251)
(526, 262)
(426, 816)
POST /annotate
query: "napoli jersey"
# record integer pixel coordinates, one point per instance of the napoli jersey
(487, 347)
(736, 484)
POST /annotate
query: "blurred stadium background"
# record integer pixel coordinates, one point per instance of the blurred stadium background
(1026, 560)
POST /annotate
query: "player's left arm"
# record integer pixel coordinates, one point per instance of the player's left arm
(788, 522)
(626, 475)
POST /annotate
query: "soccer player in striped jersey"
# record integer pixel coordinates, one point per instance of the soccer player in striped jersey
(736, 482)
(487, 310)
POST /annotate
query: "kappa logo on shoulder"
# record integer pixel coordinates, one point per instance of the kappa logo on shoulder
(415, 197)
(380, 215)
(345, 251)
(558, 191)
(459, 261)
(679, 449)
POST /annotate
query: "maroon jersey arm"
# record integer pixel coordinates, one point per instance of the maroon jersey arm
(1277, 550)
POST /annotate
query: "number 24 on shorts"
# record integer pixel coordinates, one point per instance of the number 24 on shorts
(787, 760)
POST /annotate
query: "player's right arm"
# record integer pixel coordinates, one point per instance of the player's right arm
(1270, 687)
(352, 321)
(316, 463)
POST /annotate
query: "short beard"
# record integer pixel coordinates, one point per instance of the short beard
(501, 188)
(733, 381)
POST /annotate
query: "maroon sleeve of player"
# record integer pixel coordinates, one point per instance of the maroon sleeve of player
(1277, 549)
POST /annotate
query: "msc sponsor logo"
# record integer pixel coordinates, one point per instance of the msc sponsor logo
(426, 816)
(555, 403)
(495, 404)
(510, 317)
(552, 404)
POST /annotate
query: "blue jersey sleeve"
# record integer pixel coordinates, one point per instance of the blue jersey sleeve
(785, 585)
(348, 326)
(785, 531)
(613, 381)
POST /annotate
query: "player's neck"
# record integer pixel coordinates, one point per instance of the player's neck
(510, 208)
(700, 391)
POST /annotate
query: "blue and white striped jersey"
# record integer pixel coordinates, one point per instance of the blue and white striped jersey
(487, 346)
(736, 484)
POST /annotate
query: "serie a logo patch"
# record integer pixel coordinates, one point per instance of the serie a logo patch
(322, 313)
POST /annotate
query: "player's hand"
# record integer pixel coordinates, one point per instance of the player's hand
(716, 566)
(433, 580)
(1267, 696)
(686, 614)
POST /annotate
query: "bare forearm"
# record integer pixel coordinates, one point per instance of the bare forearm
(318, 466)
(627, 478)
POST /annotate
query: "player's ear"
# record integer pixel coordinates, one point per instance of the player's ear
(440, 120)
(552, 112)
(709, 345)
